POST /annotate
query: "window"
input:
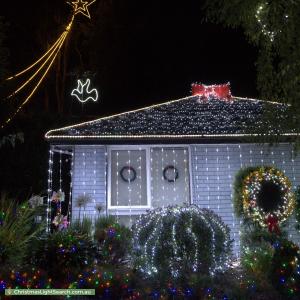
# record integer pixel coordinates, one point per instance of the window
(170, 183)
(128, 179)
(148, 176)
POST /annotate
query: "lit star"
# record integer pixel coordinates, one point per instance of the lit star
(82, 7)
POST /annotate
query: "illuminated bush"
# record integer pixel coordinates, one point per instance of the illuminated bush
(177, 242)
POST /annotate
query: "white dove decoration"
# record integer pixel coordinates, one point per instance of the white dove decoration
(83, 92)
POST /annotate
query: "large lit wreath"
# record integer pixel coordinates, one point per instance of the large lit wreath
(267, 197)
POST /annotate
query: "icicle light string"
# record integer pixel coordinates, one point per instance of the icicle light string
(95, 180)
(71, 186)
(51, 49)
(60, 171)
(130, 189)
(50, 171)
(47, 59)
(35, 88)
(61, 39)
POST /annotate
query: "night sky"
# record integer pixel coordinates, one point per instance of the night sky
(141, 52)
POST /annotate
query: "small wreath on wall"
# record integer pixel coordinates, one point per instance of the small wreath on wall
(170, 173)
(267, 197)
(128, 174)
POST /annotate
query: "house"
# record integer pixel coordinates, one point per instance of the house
(182, 151)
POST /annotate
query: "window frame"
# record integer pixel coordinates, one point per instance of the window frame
(140, 209)
(135, 209)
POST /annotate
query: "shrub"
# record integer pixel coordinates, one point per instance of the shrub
(285, 272)
(257, 262)
(83, 226)
(17, 232)
(114, 241)
(177, 242)
(64, 253)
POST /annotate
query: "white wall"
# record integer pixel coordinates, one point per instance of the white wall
(213, 172)
(89, 177)
(213, 169)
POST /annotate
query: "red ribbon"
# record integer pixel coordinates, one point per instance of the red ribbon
(221, 91)
(273, 226)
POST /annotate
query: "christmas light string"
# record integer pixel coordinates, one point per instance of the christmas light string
(39, 70)
(47, 59)
(149, 125)
(71, 186)
(39, 60)
(252, 187)
(148, 249)
(39, 82)
(50, 178)
(262, 8)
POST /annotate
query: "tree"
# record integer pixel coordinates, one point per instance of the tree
(274, 27)
(4, 53)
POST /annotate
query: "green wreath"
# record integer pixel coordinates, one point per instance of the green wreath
(262, 193)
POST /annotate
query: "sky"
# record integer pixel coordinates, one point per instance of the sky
(142, 52)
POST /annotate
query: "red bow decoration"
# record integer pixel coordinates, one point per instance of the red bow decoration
(272, 222)
(221, 91)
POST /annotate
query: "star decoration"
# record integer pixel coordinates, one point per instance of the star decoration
(82, 7)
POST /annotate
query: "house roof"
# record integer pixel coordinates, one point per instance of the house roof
(192, 117)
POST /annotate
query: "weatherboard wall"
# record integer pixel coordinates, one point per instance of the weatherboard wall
(213, 172)
(213, 169)
(89, 177)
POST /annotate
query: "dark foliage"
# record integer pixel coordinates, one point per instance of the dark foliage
(114, 241)
(273, 27)
(18, 231)
(64, 253)
(285, 270)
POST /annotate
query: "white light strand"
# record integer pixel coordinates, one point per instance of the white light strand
(105, 180)
(84, 178)
(95, 175)
(218, 180)
(50, 171)
(129, 189)
(117, 183)
(246, 108)
(162, 169)
(207, 179)
(139, 162)
(186, 175)
(152, 175)
(231, 197)
(259, 17)
(175, 195)
(196, 176)
(71, 187)
(60, 170)
(293, 170)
